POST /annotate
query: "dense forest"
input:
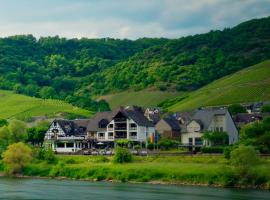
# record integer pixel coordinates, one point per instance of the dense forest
(76, 70)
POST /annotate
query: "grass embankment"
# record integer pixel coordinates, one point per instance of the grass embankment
(141, 98)
(21, 106)
(200, 170)
(249, 85)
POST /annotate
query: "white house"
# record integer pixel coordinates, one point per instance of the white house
(212, 119)
(103, 130)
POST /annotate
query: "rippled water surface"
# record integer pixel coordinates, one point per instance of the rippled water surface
(47, 189)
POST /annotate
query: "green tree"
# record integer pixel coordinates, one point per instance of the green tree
(265, 108)
(47, 93)
(244, 158)
(216, 138)
(17, 131)
(236, 108)
(16, 157)
(122, 155)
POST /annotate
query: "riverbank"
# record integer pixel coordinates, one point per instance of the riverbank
(188, 170)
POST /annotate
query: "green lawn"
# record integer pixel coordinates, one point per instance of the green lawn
(249, 85)
(140, 98)
(208, 170)
(15, 105)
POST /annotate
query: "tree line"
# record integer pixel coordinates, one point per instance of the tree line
(77, 70)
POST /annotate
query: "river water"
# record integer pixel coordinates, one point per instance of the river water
(48, 189)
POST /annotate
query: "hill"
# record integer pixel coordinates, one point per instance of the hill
(77, 70)
(141, 98)
(248, 85)
(24, 107)
(191, 62)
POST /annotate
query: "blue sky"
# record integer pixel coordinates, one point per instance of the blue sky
(124, 18)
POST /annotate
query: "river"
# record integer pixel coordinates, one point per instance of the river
(48, 189)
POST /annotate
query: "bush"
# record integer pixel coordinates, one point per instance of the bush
(16, 157)
(166, 144)
(227, 152)
(47, 155)
(212, 149)
(122, 155)
(243, 159)
(150, 146)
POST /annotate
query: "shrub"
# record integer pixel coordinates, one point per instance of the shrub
(212, 149)
(16, 157)
(265, 108)
(122, 155)
(236, 108)
(243, 159)
(227, 152)
(150, 146)
(166, 144)
(47, 155)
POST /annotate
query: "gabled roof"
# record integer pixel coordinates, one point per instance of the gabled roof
(172, 123)
(75, 127)
(137, 116)
(93, 123)
(205, 116)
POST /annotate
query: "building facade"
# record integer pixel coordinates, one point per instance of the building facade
(101, 131)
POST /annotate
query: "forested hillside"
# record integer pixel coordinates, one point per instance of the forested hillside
(191, 62)
(59, 68)
(77, 70)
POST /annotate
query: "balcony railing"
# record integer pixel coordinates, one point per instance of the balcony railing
(133, 137)
(120, 128)
(133, 128)
(71, 138)
(110, 129)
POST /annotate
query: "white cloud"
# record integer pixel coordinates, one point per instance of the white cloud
(124, 19)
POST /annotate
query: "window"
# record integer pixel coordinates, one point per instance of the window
(221, 129)
(54, 124)
(60, 145)
(110, 134)
(133, 134)
(103, 123)
(101, 134)
(69, 145)
(190, 141)
(110, 125)
(198, 141)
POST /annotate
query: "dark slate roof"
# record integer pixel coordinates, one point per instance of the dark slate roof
(75, 127)
(93, 123)
(137, 117)
(247, 117)
(205, 116)
(172, 123)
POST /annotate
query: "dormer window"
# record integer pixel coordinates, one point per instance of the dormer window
(103, 123)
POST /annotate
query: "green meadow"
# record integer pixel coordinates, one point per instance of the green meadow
(21, 106)
(140, 98)
(201, 170)
(249, 85)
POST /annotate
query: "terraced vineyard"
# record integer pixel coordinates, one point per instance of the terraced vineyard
(21, 106)
(140, 98)
(249, 85)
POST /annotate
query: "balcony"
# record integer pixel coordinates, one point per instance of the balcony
(133, 128)
(101, 138)
(110, 129)
(133, 137)
(71, 138)
(120, 128)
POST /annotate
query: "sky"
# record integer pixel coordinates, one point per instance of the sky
(130, 19)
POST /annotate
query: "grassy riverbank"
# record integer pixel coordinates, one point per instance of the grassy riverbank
(199, 170)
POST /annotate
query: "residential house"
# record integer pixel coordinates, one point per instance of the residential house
(103, 130)
(214, 119)
(168, 128)
(65, 136)
(242, 119)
